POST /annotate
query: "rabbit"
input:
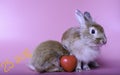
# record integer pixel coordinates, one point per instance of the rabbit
(84, 41)
(46, 57)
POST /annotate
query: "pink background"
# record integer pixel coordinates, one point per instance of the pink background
(26, 23)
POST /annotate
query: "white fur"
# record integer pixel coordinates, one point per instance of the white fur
(81, 48)
(31, 67)
(80, 18)
(84, 52)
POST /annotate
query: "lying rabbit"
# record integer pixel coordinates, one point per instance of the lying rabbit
(46, 57)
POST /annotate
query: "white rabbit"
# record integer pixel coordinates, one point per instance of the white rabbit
(85, 41)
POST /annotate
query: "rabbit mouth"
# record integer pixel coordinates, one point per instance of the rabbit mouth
(96, 44)
(100, 42)
(100, 45)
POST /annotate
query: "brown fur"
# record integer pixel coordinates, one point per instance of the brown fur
(46, 56)
(98, 27)
(71, 33)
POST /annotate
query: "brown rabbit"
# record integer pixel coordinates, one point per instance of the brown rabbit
(85, 41)
(46, 57)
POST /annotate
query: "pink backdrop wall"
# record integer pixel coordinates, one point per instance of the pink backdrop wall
(26, 23)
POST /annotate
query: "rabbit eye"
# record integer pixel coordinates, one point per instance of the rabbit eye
(92, 31)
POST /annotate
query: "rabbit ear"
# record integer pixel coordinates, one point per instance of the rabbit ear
(88, 17)
(80, 18)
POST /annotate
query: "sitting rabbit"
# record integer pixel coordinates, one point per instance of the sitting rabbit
(85, 41)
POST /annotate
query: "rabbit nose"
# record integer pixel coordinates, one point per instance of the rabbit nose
(103, 41)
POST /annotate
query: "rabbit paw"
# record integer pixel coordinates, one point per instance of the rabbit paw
(78, 69)
(86, 67)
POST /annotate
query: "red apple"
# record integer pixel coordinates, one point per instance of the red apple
(68, 62)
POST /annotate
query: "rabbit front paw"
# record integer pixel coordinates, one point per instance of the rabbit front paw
(78, 68)
(86, 67)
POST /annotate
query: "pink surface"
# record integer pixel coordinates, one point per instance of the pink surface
(26, 23)
(111, 68)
